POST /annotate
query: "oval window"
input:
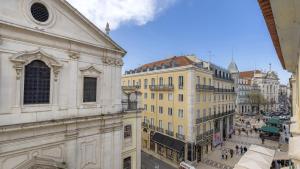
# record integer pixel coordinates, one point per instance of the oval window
(39, 12)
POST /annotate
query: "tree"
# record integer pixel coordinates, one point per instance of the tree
(256, 99)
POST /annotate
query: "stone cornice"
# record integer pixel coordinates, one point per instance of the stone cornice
(49, 39)
(65, 121)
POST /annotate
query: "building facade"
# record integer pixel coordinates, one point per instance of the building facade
(60, 91)
(268, 85)
(282, 22)
(188, 108)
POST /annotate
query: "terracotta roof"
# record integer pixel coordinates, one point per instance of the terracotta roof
(266, 9)
(248, 74)
(177, 60)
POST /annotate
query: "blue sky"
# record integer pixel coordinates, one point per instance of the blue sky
(199, 26)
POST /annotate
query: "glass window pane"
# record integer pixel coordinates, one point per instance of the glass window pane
(89, 89)
(37, 83)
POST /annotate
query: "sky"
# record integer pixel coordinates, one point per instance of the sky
(214, 30)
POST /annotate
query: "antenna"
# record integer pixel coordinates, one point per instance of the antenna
(232, 54)
(209, 56)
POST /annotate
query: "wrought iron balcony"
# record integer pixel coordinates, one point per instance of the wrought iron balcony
(199, 120)
(133, 87)
(129, 105)
(152, 127)
(170, 133)
(223, 78)
(180, 136)
(161, 87)
(204, 88)
(199, 137)
(224, 90)
(144, 124)
(160, 129)
(208, 133)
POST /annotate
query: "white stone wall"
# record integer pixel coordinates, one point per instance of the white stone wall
(65, 131)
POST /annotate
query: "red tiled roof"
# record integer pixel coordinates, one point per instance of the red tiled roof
(178, 60)
(248, 74)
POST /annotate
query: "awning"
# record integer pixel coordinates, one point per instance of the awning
(262, 150)
(274, 121)
(280, 155)
(169, 142)
(270, 129)
(256, 157)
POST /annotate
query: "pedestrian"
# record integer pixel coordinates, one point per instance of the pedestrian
(241, 148)
(226, 154)
(245, 149)
(262, 140)
(236, 149)
(222, 155)
(231, 153)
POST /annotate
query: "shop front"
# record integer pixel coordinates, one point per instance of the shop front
(168, 147)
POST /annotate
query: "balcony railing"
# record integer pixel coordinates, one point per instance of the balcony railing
(223, 78)
(199, 137)
(199, 120)
(213, 116)
(204, 88)
(170, 133)
(144, 124)
(129, 105)
(161, 87)
(224, 90)
(133, 87)
(180, 136)
(160, 129)
(152, 127)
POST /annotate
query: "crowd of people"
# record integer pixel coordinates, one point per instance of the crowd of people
(227, 153)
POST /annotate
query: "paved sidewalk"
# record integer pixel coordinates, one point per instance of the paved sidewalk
(214, 159)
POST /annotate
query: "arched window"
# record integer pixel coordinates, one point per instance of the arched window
(37, 83)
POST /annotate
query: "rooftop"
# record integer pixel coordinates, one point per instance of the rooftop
(249, 74)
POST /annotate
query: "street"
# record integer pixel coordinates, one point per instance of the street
(150, 162)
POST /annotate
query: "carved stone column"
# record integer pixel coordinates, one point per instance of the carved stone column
(19, 69)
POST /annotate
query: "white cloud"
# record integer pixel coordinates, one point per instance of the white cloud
(117, 12)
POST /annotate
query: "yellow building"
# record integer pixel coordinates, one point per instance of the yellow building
(188, 107)
(282, 19)
(131, 148)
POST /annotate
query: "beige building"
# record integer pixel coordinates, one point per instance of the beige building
(188, 107)
(60, 91)
(282, 19)
(267, 84)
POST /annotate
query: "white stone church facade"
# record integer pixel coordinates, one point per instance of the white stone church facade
(60, 91)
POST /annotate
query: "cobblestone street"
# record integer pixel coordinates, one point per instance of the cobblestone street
(214, 159)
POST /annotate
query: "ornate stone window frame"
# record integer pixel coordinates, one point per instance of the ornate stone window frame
(20, 60)
(90, 71)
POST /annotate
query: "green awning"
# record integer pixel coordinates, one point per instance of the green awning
(274, 121)
(270, 129)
